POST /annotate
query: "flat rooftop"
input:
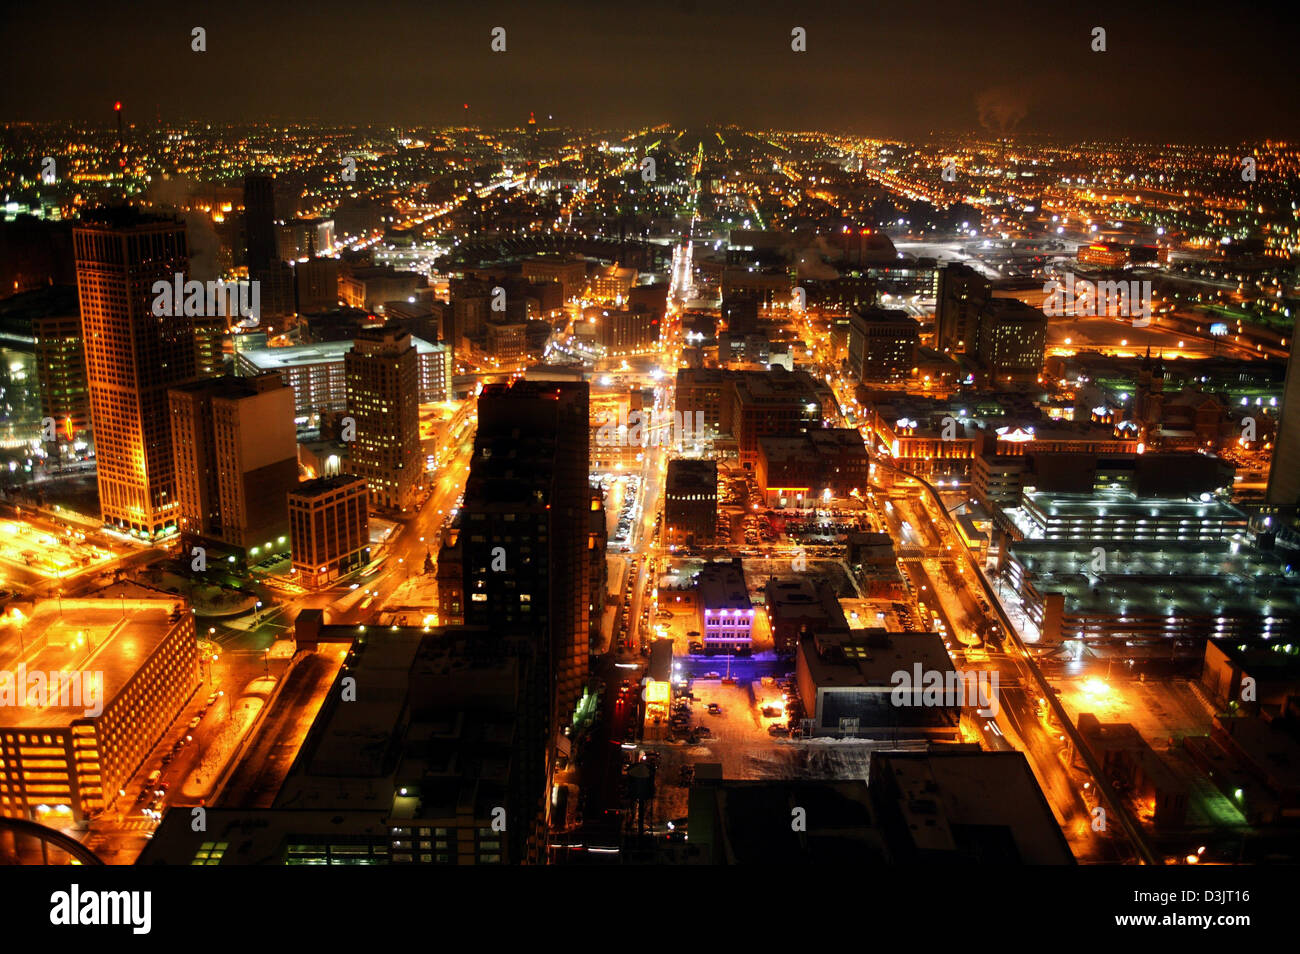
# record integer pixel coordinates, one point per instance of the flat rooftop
(869, 658)
(699, 476)
(982, 804)
(430, 715)
(722, 586)
(887, 316)
(1093, 506)
(776, 387)
(295, 356)
(802, 598)
(323, 485)
(819, 442)
(105, 640)
(1152, 558)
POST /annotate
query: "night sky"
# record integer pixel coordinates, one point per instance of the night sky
(1208, 72)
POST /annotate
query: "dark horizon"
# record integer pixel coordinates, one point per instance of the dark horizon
(1014, 69)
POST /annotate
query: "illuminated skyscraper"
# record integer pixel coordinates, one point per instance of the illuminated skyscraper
(383, 382)
(132, 358)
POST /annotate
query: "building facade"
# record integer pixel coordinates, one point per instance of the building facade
(382, 373)
(882, 346)
(236, 461)
(329, 528)
(691, 502)
(132, 358)
(524, 525)
(61, 370)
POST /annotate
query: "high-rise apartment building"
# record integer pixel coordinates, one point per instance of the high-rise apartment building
(963, 293)
(1012, 340)
(132, 357)
(382, 373)
(233, 441)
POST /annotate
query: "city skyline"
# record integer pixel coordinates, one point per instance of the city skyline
(671, 436)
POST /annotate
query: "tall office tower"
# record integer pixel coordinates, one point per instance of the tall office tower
(132, 358)
(383, 380)
(524, 524)
(1284, 470)
(236, 453)
(259, 221)
(1012, 340)
(61, 370)
(962, 293)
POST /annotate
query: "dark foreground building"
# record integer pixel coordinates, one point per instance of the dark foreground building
(428, 750)
(951, 804)
(524, 528)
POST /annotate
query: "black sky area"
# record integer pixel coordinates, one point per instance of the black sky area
(1195, 72)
